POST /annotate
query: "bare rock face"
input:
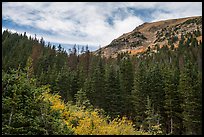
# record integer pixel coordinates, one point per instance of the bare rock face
(151, 34)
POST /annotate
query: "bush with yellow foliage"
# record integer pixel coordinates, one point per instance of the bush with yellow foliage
(89, 121)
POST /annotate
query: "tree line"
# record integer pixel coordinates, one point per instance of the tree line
(157, 91)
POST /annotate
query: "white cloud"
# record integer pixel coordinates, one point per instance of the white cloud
(86, 22)
(171, 10)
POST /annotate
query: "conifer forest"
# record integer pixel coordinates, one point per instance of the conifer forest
(47, 90)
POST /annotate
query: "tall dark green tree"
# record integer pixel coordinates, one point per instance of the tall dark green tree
(126, 84)
(98, 84)
(23, 111)
(112, 96)
(172, 103)
(139, 94)
(152, 121)
(190, 88)
(155, 88)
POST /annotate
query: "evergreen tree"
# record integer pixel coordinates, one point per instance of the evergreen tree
(82, 100)
(112, 97)
(126, 82)
(74, 86)
(23, 110)
(97, 84)
(152, 121)
(29, 68)
(155, 88)
(139, 94)
(190, 88)
(172, 101)
(63, 84)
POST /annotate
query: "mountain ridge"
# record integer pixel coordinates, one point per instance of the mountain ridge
(150, 34)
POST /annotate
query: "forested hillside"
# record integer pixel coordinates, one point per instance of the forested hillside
(46, 90)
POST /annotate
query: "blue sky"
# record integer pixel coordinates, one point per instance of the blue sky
(92, 23)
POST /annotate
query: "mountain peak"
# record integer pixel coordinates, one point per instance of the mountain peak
(151, 34)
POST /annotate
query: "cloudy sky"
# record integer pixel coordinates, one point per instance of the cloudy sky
(92, 23)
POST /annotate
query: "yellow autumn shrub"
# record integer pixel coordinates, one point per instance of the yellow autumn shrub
(89, 122)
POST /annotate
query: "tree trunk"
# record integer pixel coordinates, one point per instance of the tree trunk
(171, 125)
(10, 118)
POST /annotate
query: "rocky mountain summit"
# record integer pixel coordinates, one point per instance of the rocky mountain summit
(149, 35)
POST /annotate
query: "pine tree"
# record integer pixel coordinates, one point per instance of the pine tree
(112, 96)
(190, 88)
(23, 110)
(98, 83)
(81, 99)
(139, 94)
(152, 120)
(126, 82)
(172, 101)
(74, 86)
(63, 84)
(155, 88)
(29, 68)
